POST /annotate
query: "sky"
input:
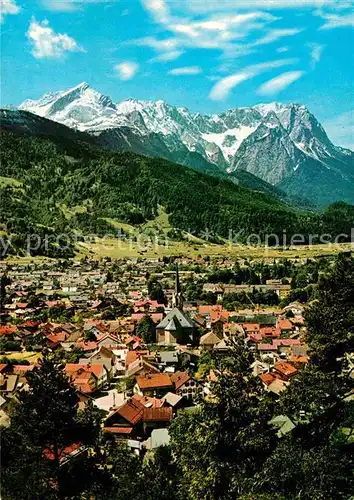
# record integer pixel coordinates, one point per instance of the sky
(206, 55)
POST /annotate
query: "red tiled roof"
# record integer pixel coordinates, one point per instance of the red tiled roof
(21, 369)
(57, 337)
(285, 369)
(284, 324)
(62, 453)
(149, 402)
(97, 369)
(157, 414)
(3, 367)
(7, 330)
(209, 309)
(267, 378)
(118, 430)
(267, 347)
(132, 411)
(154, 381)
(83, 387)
(270, 331)
(29, 324)
(179, 378)
(87, 346)
(134, 355)
(286, 342)
(299, 359)
(251, 327)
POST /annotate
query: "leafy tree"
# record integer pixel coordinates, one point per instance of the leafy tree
(221, 444)
(146, 330)
(43, 421)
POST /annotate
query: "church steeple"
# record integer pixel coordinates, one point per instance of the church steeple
(177, 300)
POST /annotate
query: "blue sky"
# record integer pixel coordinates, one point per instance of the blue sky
(207, 55)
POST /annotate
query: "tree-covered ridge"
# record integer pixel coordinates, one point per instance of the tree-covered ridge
(130, 188)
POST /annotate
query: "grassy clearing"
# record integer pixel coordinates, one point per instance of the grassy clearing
(126, 228)
(71, 211)
(161, 224)
(32, 357)
(9, 181)
(124, 249)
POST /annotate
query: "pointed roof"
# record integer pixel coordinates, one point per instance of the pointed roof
(171, 327)
(179, 317)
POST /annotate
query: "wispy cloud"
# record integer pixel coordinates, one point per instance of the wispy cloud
(281, 50)
(48, 44)
(276, 34)
(337, 21)
(316, 53)
(8, 7)
(158, 9)
(160, 45)
(223, 87)
(71, 5)
(219, 32)
(201, 6)
(279, 83)
(340, 129)
(167, 56)
(187, 70)
(126, 70)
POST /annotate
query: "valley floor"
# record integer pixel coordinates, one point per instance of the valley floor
(118, 249)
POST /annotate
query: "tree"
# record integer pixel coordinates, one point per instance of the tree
(155, 291)
(43, 421)
(146, 330)
(331, 318)
(318, 451)
(159, 476)
(220, 445)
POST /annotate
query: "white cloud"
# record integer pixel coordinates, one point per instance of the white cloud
(279, 83)
(276, 34)
(187, 70)
(340, 129)
(158, 9)
(223, 87)
(167, 56)
(205, 32)
(316, 53)
(8, 7)
(71, 5)
(281, 50)
(46, 43)
(337, 21)
(126, 70)
(163, 45)
(202, 6)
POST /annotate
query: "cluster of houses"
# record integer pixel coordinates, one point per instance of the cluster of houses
(140, 386)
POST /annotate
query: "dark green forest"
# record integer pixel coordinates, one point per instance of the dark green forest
(129, 188)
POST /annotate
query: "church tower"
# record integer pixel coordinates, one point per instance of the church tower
(177, 299)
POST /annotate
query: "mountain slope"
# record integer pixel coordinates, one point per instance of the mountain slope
(62, 186)
(281, 144)
(123, 139)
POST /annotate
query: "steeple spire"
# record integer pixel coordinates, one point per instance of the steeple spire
(177, 300)
(177, 284)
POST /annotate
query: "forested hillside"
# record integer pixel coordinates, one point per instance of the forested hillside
(43, 181)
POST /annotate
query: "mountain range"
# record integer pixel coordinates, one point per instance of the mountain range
(281, 144)
(60, 181)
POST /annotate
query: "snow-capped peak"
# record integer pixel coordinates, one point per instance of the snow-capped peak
(216, 137)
